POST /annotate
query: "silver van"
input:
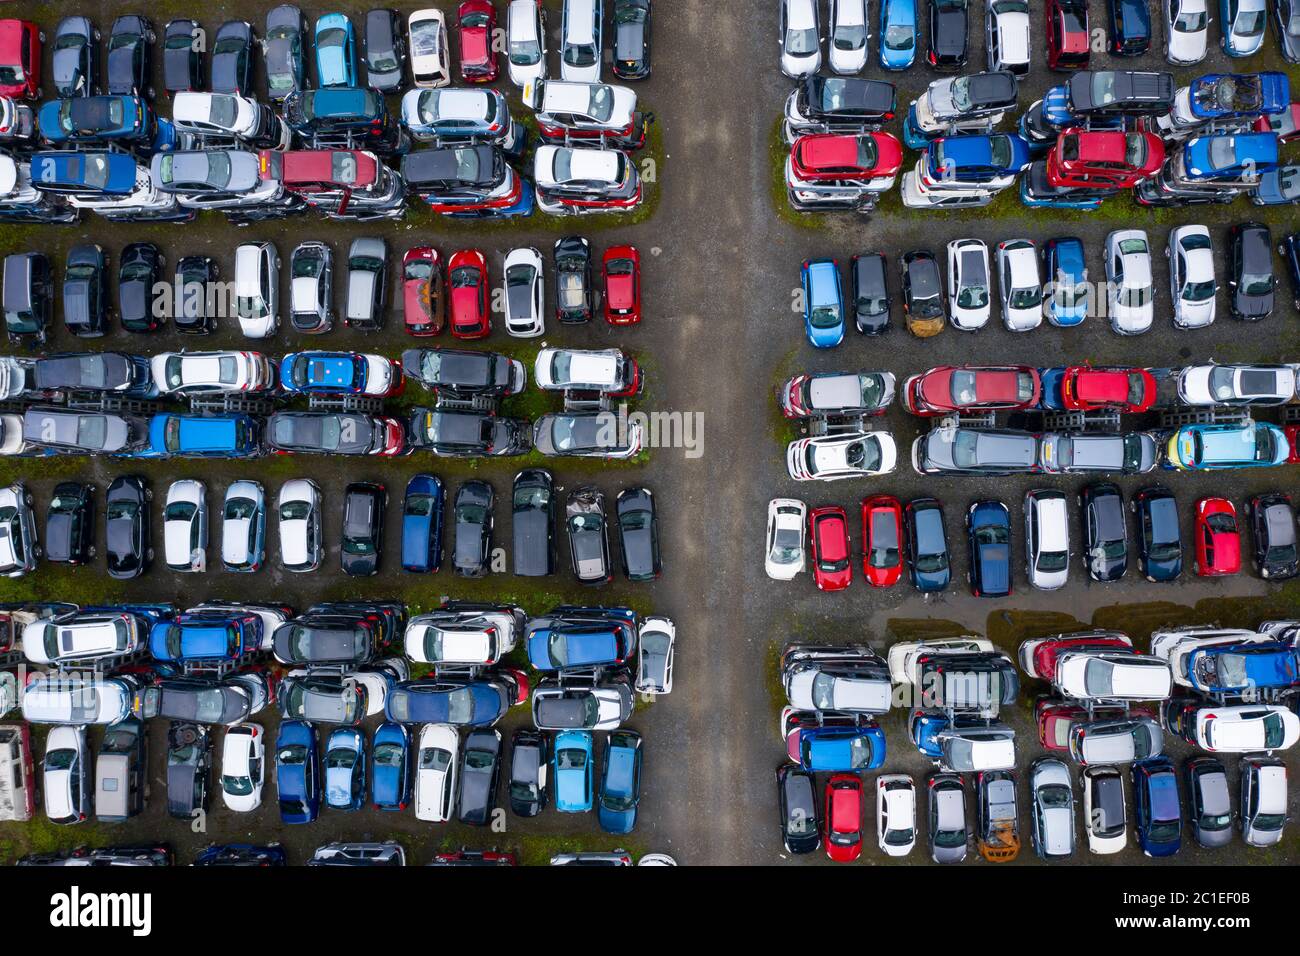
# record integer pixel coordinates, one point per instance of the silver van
(120, 767)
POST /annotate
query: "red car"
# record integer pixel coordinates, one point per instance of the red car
(1127, 389)
(1038, 656)
(1103, 159)
(832, 157)
(20, 59)
(467, 275)
(622, 268)
(828, 532)
(952, 388)
(1218, 539)
(478, 25)
(423, 297)
(1293, 443)
(1053, 718)
(842, 821)
(1286, 124)
(882, 540)
(1068, 43)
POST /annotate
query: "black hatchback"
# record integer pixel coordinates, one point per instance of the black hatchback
(797, 792)
(1250, 276)
(126, 527)
(473, 519)
(1105, 531)
(364, 504)
(70, 523)
(870, 290)
(138, 272)
(574, 298)
(947, 34)
(85, 291)
(191, 309)
(533, 523)
(1273, 527)
(182, 56)
(638, 534)
(130, 56)
(384, 50)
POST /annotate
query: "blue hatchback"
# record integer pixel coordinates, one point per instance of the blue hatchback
(345, 769)
(202, 436)
(1067, 275)
(572, 762)
(988, 527)
(928, 561)
(1130, 27)
(390, 757)
(336, 52)
(1229, 156)
(296, 772)
(422, 524)
(899, 34)
(1156, 807)
(326, 373)
(205, 637)
(620, 782)
(94, 118)
(92, 172)
(823, 303)
(977, 159)
(841, 749)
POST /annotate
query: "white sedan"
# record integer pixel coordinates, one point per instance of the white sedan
(786, 555)
(185, 526)
(1020, 285)
(1130, 291)
(895, 814)
(832, 457)
(436, 760)
(969, 305)
(524, 298)
(243, 767)
(1191, 276)
(199, 373)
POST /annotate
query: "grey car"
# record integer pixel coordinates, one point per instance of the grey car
(975, 451)
(600, 706)
(88, 432)
(1115, 741)
(336, 433)
(1263, 800)
(480, 766)
(948, 834)
(1052, 809)
(189, 762)
(76, 55)
(326, 700)
(472, 525)
(533, 523)
(384, 50)
(284, 52)
(586, 435)
(1211, 801)
(1131, 454)
(588, 531)
(367, 284)
(638, 534)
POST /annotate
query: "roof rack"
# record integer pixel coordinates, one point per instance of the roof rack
(369, 404)
(1073, 420)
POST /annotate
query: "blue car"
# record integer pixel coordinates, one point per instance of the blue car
(297, 776)
(572, 763)
(1130, 27)
(899, 34)
(202, 436)
(988, 528)
(1240, 668)
(94, 118)
(562, 645)
(620, 782)
(1159, 815)
(1217, 96)
(96, 172)
(465, 703)
(835, 749)
(336, 52)
(1227, 157)
(823, 303)
(1278, 187)
(325, 373)
(1227, 445)
(390, 757)
(1037, 192)
(1067, 274)
(1160, 542)
(422, 524)
(205, 637)
(243, 854)
(977, 160)
(928, 562)
(1050, 397)
(1241, 26)
(345, 769)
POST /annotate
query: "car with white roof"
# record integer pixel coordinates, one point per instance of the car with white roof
(229, 115)
(1130, 288)
(243, 526)
(257, 289)
(298, 511)
(1192, 285)
(1047, 539)
(92, 636)
(1236, 385)
(430, 61)
(463, 635)
(592, 108)
(185, 526)
(1112, 676)
(60, 699)
(654, 656)
(1186, 31)
(1006, 27)
(1263, 800)
(525, 296)
(1051, 811)
(581, 33)
(1245, 728)
(525, 41)
(836, 393)
(801, 42)
(1019, 285)
(848, 38)
(786, 552)
(199, 373)
(65, 776)
(437, 756)
(969, 281)
(834, 457)
(847, 678)
(243, 767)
(608, 371)
(904, 657)
(571, 179)
(19, 548)
(895, 814)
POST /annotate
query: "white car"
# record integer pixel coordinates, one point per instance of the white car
(801, 42)
(11, 435)
(904, 655)
(525, 41)
(1175, 644)
(832, 457)
(655, 648)
(524, 296)
(1191, 276)
(969, 301)
(430, 62)
(1047, 539)
(1112, 676)
(311, 287)
(580, 40)
(586, 169)
(916, 195)
(1019, 285)
(848, 39)
(243, 767)
(1246, 728)
(895, 814)
(65, 777)
(436, 759)
(185, 526)
(19, 549)
(243, 526)
(609, 371)
(1186, 31)
(226, 115)
(203, 373)
(298, 511)
(1130, 291)
(478, 638)
(592, 107)
(786, 554)
(257, 289)
(1006, 29)
(1236, 384)
(1105, 817)
(86, 637)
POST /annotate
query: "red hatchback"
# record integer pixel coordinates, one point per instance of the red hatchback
(423, 297)
(477, 20)
(20, 59)
(828, 532)
(1218, 539)
(833, 157)
(1127, 389)
(1067, 34)
(882, 540)
(950, 388)
(622, 271)
(1103, 159)
(467, 277)
(842, 826)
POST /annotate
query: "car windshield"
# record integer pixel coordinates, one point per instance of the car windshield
(801, 42)
(1249, 23)
(849, 37)
(824, 317)
(435, 758)
(600, 106)
(1190, 21)
(899, 37)
(586, 54)
(524, 51)
(1257, 283)
(426, 38)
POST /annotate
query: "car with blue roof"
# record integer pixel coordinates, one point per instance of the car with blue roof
(573, 770)
(1158, 811)
(91, 119)
(835, 744)
(175, 435)
(297, 772)
(1227, 445)
(341, 373)
(1228, 96)
(560, 643)
(1225, 158)
(1067, 275)
(1241, 668)
(975, 161)
(336, 52)
(344, 768)
(422, 509)
(205, 637)
(1130, 27)
(988, 529)
(823, 302)
(620, 782)
(962, 743)
(390, 760)
(99, 172)
(900, 33)
(463, 702)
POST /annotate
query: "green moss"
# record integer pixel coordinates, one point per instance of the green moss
(39, 835)
(537, 850)
(60, 582)
(777, 151)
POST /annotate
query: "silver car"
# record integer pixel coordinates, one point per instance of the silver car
(1052, 809)
(1263, 800)
(948, 832)
(367, 284)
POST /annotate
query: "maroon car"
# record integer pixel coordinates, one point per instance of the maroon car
(961, 388)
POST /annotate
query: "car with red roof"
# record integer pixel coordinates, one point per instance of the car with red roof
(1105, 159)
(341, 183)
(1053, 717)
(1068, 41)
(1218, 538)
(1127, 389)
(424, 299)
(870, 158)
(467, 279)
(953, 388)
(843, 817)
(621, 266)
(477, 21)
(828, 533)
(20, 59)
(1038, 656)
(882, 540)
(1293, 443)
(1284, 125)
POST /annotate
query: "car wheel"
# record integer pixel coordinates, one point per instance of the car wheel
(91, 552)
(37, 551)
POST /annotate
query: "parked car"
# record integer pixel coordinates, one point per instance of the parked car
(65, 776)
(1105, 816)
(1160, 543)
(243, 527)
(800, 32)
(1105, 531)
(283, 53)
(786, 553)
(1263, 800)
(1156, 807)
(1251, 282)
(297, 772)
(70, 523)
(126, 526)
(437, 766)
(243, 757)
(529, 765)
(947, 817)
(988, 531)
(185, 526)
(799, 810)
(189, 769)
(928, 561)
(472, 512)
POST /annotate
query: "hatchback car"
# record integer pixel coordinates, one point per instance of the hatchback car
(947, 817)
(297, 772)
(1052, 808)
(988, 531)
(1263, 800)
(922, 293)
(573, 762)
(367, 287)
(1105, 531)
(472, 524)
(799, 810)
(529, 766)
(311, 287)
(126, 526)
(298, 510)
(848, 36)
(74, 68)
(785, 555)
(362, 547)
(928, 560)
(285, 44)
(232, 57)
(185, 526)
(828, 533)
(70, 523)
(1251, 281)
(243, 767)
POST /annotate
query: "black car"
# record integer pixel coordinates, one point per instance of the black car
(326, 433)
(130, 56)
(364, 504)
(76, 54)
(1130, 27)
(1250, 275)
(138, 271)
(922, 288)
(232, 57)
(533, 523)
(191, 311)
(584, 519)
(28, 296)
(845, 101)
(574, 296)
(529, 757)
(1160, 539)
(182, 56)
(800, 815)
(870, 291)
(85, 291)
(456, 434)
(91, 372)
(286, 40)
(631, 39)
(126, 527)
(947, 34)
(1120, 92)
(1288, 29)
(315, 639)
(1105, 531)
(383, 51)
(1289, 250)
(464, 373)
(472, 510)
(70, 523)
(189, 763)
(638, 534)
(480, 766)
(1273, 525)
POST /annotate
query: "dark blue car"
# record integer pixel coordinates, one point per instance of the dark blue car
(205, 637)
(1160, 541)
(988, 527)
(1130, 27)
(390, 758)
(94, 118)
(620, 782)
(297, 772)
(1238, 95)
(841, 749)
(1242, 668)
(1156, 807)
(927, 545)
(422, 524)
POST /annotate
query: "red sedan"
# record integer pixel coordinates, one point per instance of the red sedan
(842, 826)
(828, 532)
(1293, 443)
(20, 59)
(477, 20)
(622, 271)
(471, 316)
(882, 540)
(1068, 43)
(1127, 389)
(423, 297)
(950, 388)
(832, 157)
(1218, 540)
(1103, 159)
